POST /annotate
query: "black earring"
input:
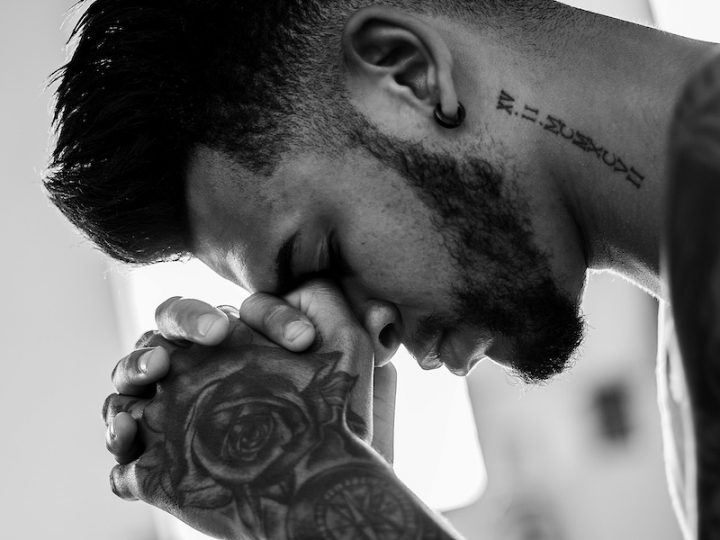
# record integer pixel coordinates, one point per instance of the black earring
(446, 121)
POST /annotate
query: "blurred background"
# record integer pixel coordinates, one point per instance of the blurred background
(578, 459)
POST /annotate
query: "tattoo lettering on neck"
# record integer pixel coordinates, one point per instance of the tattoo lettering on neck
(559, 128)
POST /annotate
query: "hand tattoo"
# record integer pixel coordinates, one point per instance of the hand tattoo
(268, 449)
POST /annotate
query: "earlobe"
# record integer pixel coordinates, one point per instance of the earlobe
(391, 53)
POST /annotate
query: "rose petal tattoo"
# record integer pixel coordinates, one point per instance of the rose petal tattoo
(265, 449)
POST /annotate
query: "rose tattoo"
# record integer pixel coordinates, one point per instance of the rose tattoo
(256, 442)
(246, 441)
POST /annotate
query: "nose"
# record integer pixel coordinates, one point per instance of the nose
(382, 321)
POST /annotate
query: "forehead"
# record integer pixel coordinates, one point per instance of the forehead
(234, 214)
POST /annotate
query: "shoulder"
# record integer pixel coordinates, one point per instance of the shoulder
(692, 231)
(701, 93)
(694, 149)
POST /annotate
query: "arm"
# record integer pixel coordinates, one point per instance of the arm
(250, 440)
(693, 260)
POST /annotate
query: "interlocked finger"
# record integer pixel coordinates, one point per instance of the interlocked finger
(148, 339)
(122, 438)
(118, 403)
(137, 373)
(123, 481)
(141, 479)
(191, 320)
(280, 322)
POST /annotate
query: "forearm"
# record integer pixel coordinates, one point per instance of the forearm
(348, 493)
(268, 448)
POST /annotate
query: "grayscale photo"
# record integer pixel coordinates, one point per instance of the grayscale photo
(360, 270)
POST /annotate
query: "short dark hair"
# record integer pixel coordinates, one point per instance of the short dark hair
(150, 80)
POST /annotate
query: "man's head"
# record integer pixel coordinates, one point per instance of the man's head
(222, 129)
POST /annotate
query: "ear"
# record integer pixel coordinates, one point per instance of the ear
(397, 67)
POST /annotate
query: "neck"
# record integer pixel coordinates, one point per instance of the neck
(618, 98)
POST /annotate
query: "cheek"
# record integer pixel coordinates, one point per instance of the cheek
(388, 238)
(407, 267)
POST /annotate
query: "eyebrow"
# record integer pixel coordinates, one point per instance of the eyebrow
(284, 266)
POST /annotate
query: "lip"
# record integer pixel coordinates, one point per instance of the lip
(464, 370)
(459, 350)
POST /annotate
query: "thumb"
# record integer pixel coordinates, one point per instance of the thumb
(323, 302)
(340, 331)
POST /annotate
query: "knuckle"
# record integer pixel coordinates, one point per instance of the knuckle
(121, 373)
(111, 445)
(163, 310)
(147, 339)
(115, 373)
(119, 480)
(137, 474)
(114, 473)
(275, 316)
(253, 303)
(106, 408)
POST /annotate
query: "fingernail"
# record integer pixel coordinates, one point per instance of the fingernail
(297, 329)
(111, 430)
(205, 323)
(145, 360)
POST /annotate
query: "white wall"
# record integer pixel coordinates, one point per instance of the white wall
(57, 327)
(698, 19)
(638, 11)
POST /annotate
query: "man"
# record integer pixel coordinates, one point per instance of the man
(456, 167)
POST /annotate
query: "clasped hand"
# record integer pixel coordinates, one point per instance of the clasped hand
(224, 389)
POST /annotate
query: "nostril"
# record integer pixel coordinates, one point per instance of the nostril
(389, 337)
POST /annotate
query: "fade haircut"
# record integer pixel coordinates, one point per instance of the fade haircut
(150, 80)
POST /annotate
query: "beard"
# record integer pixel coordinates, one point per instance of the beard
(503, 283)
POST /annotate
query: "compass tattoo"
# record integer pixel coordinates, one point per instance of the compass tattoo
(276, 455)
(353, 501)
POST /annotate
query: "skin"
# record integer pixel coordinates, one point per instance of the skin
(595, 202)
(245, 439)
(582, 214)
